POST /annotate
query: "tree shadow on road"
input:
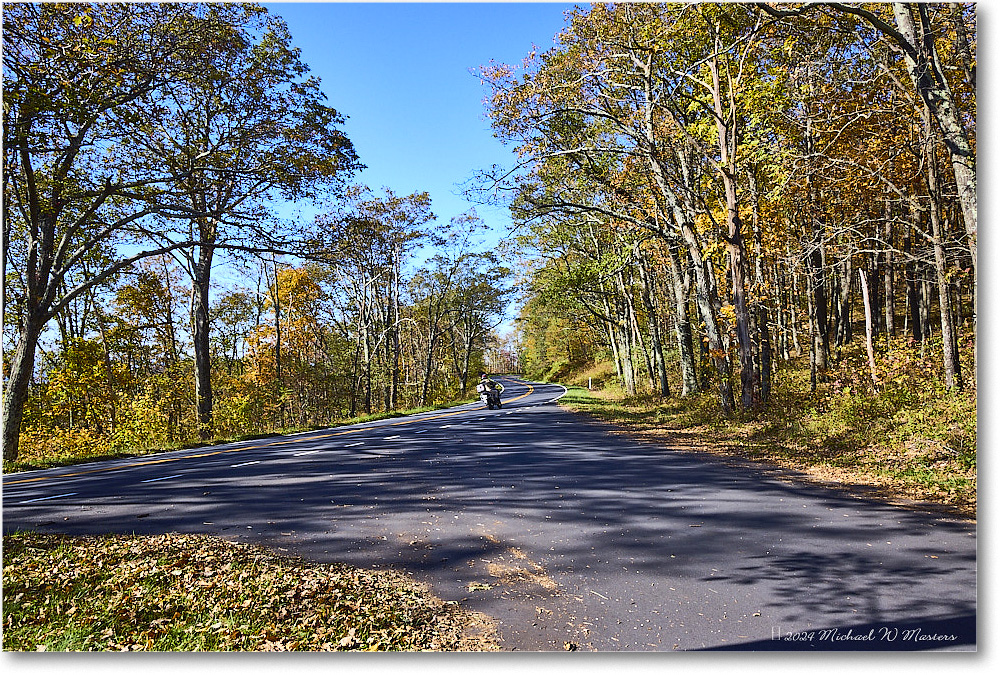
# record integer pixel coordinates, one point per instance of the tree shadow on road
(544, 479)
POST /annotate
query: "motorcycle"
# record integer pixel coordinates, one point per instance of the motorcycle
(491, 397)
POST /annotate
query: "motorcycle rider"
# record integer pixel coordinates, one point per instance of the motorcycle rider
(486, 384)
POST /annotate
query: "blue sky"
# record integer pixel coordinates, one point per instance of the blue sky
(401, 73)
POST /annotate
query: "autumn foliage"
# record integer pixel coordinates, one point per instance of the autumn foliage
(146, 149)
(708, 194)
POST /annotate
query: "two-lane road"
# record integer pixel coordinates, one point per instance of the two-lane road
(559, 528)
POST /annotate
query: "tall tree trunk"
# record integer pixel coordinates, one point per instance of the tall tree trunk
(610, 327)
(653, 324)
(762, 332)
(393, 402)
(675, 211)
(778, 279)
(725, 122)
(109, 370)
(889, 303)
(632, 331)
(682, 323)
(794, 303)
(749, 376)
(912, 291)
(843, 324)
(279, 375)
(201, 284)
(869, 344)
(432, 339)
(819, 349)
(819, 328)
(22, 367)
(466, 359)
(356, 380)
(661, 386)
(814, 345)
(952, 367)
(925, 309)
(624, 334)
(704, 295)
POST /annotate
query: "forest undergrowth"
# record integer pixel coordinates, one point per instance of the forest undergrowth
(43, 448)
(910, 441)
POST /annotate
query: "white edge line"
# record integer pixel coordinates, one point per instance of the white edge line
(565, 391)
(42, 499)
(153, 480)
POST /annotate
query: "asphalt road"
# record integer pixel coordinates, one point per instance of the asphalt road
(561, 529)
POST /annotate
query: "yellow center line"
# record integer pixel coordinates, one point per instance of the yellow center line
(529, 392)
(167, 460)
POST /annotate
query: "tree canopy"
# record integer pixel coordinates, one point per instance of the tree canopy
(141, 143)
(749, 177)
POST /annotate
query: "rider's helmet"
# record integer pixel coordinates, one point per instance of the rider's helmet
(482, 376)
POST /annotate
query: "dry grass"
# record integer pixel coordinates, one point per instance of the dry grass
(916, 448)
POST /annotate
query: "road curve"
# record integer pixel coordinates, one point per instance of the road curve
(563, 530)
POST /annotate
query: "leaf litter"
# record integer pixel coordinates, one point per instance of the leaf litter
(178, 592)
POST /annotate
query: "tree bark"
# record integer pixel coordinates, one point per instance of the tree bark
(814, 345)
(22, 367)
(725, 123)
(393, 401)
(843, 324)
(682, 323)
(869, 345)
(888, 272)
(818, 319)
(952, 367)
(653, 323)
(762, 332)
(201, 283)
(704, 296)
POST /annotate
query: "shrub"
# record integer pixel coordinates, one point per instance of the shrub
(43, 445)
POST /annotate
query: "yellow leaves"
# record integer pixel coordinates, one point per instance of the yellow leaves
(727, 313)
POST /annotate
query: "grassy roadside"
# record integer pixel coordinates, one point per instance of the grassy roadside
(920, 453)
(199, 593)
(41, 455)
